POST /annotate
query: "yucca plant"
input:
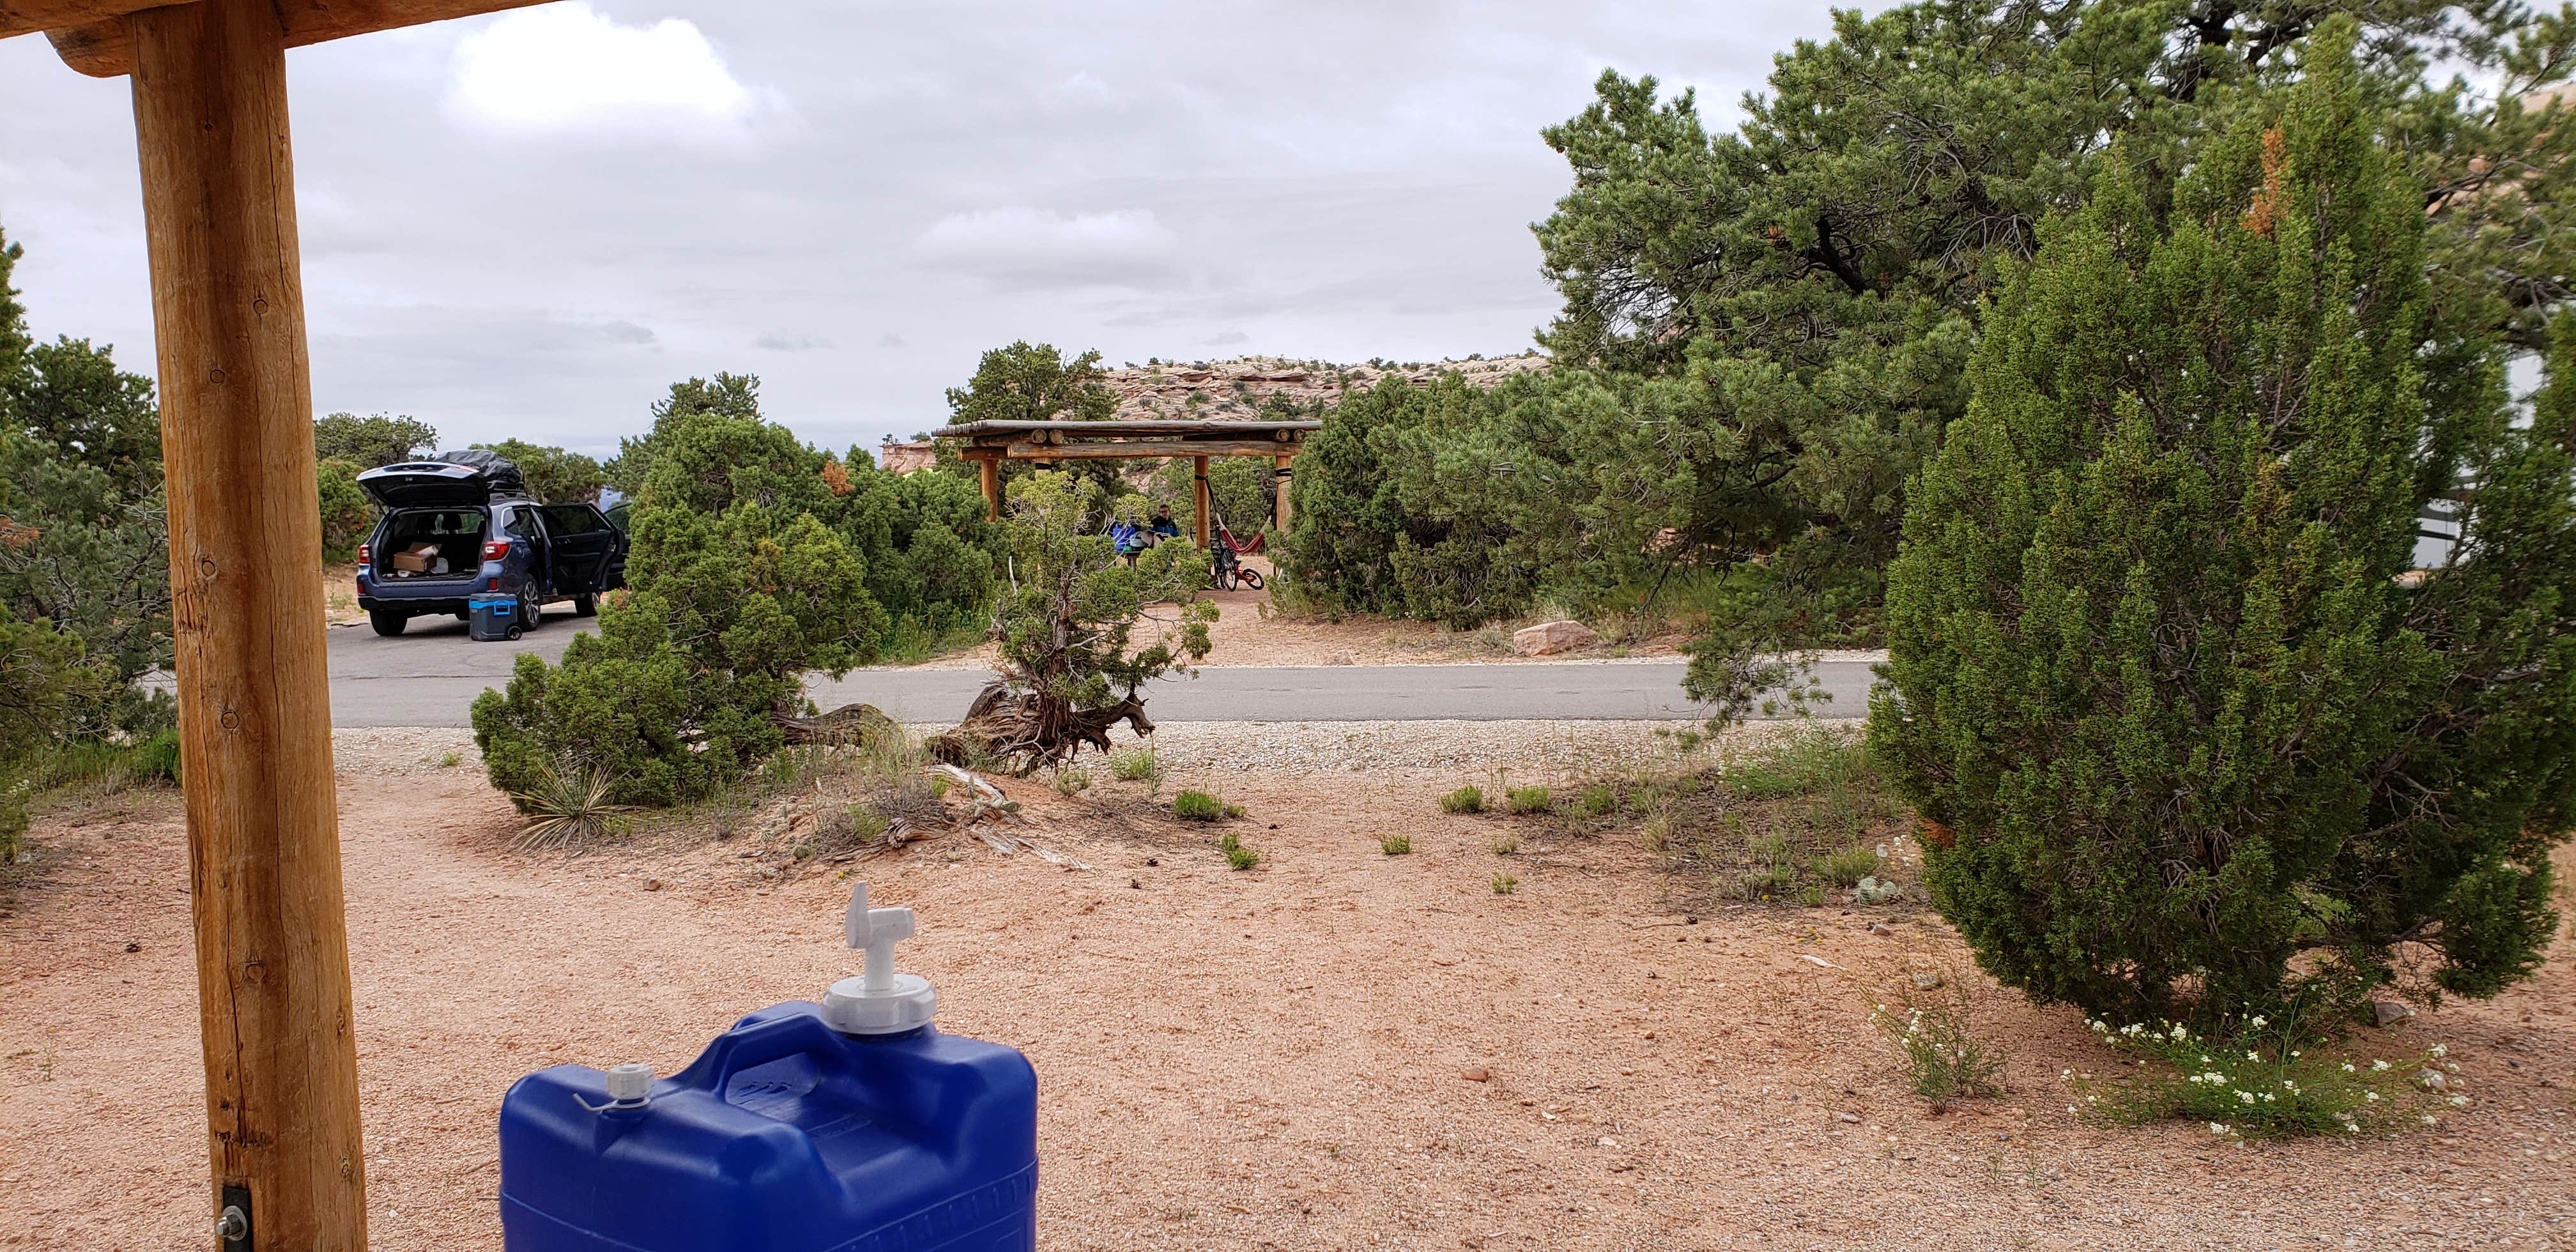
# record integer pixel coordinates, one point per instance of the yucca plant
(563, 810)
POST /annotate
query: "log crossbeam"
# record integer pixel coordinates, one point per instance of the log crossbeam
(94, 37)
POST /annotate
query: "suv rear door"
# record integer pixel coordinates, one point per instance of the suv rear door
(585, 549)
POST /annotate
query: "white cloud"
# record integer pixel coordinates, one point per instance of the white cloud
(570, 69)
(1038, 248)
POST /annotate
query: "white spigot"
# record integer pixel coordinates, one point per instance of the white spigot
(879, 1001)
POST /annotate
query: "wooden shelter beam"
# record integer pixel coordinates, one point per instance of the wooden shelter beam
(253, 685)
(1134, 448)
(94, 36)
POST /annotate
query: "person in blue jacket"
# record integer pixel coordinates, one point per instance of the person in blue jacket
(1164, 526)
(1128, 540)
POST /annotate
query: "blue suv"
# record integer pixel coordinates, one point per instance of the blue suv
(461, 524)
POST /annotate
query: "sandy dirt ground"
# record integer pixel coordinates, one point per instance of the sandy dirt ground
(1285, 1058)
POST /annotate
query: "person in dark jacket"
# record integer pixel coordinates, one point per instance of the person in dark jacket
(1164, 526)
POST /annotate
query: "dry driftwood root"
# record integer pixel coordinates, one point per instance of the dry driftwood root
(983, 800)
(1026, 731)
(848, 724)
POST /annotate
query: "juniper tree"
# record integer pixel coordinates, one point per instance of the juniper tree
(1069, 667)
(2190, 733)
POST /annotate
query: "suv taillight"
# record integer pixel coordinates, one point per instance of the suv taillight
(362, 556)
(496, 549)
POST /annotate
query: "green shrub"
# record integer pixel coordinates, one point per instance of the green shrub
(1506, 844)
(1467, 799)
(1395, 845)
(1197, 806)
(1241, 858)
(1526, 799)
(1505, 884)
(676, 697)
(1847, 867)
(2160, 668)
(1599, 800)
(1072, 782)
(347, 515)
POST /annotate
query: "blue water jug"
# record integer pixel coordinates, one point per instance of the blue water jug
(851, 1125)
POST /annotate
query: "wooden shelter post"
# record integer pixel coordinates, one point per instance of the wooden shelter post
(989, 474)
(1280, 510)
(254, 692)
(1199, 496)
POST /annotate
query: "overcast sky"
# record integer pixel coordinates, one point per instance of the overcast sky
(530, 224)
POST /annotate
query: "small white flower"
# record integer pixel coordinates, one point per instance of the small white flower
(2070, 1108)
(2459, 1102)
(2431, 1120)
(2258, 1022)
(2253, 1056)
(2438, 1050)
(2347, 1067)
(2354, 1127)
(2245, 1097)
(2218, 1128)
(2378, 1067)
(2294, 1052)
(2370, 1097)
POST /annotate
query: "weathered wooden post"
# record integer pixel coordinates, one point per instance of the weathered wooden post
(210, 117)
(989, 476)
(254, 693)
(1280, 512)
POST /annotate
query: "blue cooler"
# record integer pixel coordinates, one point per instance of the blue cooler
(492, 618)
(852, 1125)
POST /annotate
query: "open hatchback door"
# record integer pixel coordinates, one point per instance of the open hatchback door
(448, 480)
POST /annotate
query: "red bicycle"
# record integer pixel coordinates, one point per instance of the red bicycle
(1226, 568)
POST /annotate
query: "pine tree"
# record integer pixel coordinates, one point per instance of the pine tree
(2190, 733)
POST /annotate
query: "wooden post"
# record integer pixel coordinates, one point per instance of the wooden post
(1199, 494)
(990, 473)
(1279, 520)
(254, 693)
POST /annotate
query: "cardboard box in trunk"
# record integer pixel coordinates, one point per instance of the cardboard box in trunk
(416, 559)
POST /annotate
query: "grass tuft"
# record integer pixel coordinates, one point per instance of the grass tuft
(1845, 868)
(1395, 845)
(1467, 799)
(1943, 1057)
(1525, 800)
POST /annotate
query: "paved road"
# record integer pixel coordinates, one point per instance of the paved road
(429, 675)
